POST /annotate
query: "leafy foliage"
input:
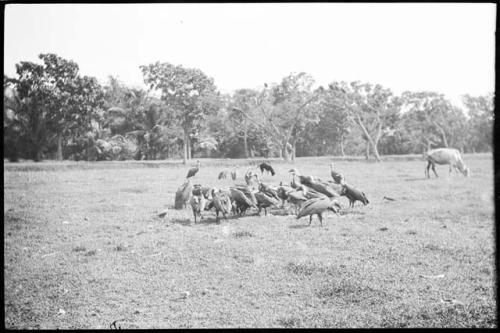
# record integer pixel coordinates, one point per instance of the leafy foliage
(49, 108)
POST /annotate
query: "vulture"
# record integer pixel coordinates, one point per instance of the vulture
(198, 203)
(241, 201)
(283, 192)
(297, 198)
(337, 177)
(318, 206)
(266, 167)
(265, 201)
(223, 175)
(354, 195)
(249, 176)
(268, 190)
(202, 190)
(222, 204)
(193, 171)
(303, 179)
(182, 194)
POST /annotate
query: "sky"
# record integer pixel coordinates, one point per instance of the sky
(447, 48)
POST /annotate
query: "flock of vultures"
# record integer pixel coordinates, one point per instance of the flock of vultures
(309, 195)
(304, 195)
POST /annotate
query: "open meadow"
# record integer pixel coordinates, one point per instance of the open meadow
(84, 247)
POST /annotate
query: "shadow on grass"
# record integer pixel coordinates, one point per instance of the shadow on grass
(414, 179)
(280, 212)
(298, 226)
(206, 220)
(182, 221)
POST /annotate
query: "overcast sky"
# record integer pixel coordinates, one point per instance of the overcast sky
(448, 48)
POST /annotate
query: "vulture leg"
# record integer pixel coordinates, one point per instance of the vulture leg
(310, 219)
(217, 216)
(320, 219)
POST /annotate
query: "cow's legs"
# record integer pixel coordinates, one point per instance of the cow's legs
(434, 169)
(427, 169)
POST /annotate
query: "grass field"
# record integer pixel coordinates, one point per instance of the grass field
(84, 247)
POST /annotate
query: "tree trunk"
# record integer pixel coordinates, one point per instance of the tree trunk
(59, 155)
(189, 147)
(285, 154)
(369, 139)
(342, 146)
(367, 150)
(375, 150)
(245, 135)
(37, 154)
(185, 148)
(294, 147)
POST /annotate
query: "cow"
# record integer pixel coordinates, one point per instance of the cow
(448, 156)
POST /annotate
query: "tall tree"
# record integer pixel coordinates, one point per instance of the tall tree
(57, 101)
(432, 117)
(481, 111)
(371, 108)
(32, 92)
(190, 93)
(282, 110)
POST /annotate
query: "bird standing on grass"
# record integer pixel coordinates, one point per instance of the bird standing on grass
(353, 194)
(193, 171)
(198, 203)
(222, 203)
(337, 177)
(182, 194)
(318, 206)
(266, 167)
(265, 201)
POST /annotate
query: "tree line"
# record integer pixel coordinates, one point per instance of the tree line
(51, 111)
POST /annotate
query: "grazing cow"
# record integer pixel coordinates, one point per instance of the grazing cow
(448, 156)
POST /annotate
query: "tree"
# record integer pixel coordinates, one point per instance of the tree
(72, 98)
(370, 106)
(433, 120)
(282, 111)
(243, 103)
(31, 95)
(56, 101)
(190, 93)
(333, 126)
(481, 111)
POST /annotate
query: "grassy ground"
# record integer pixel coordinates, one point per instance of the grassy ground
(84, 247)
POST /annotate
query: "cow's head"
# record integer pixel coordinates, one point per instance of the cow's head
(466, 171)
